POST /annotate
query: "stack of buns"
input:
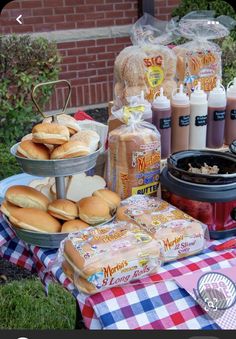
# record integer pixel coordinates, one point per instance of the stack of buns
(109, 255)
(58, 140)
(144, 69)
(29, 209)
(133, 156)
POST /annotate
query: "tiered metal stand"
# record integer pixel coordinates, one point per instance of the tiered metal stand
(56, 168)
(52, 168)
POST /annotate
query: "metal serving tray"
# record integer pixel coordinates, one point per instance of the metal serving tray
(56, 168)
(46, 240)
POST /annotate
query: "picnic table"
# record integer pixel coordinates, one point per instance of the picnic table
(155, 302)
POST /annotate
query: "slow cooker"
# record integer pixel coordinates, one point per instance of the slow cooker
(210, 198)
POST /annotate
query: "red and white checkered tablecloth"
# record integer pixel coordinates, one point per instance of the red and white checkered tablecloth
(144, 304)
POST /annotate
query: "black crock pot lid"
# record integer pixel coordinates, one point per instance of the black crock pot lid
(217, 193)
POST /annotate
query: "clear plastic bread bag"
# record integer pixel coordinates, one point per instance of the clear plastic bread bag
(148, 64)
(134, 152)
(179, 234)
(200, 58)
(101, 257)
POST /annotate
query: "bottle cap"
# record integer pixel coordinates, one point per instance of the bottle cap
(161, 101)
(217, 96)
(231, 88)
(180, 98)
(198, 95)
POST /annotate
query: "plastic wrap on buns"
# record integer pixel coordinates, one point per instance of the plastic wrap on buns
(148, 64)
(200, 59)
(98, 258)
(133, 164)
(179, 234)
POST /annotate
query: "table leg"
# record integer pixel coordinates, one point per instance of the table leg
(79, 322)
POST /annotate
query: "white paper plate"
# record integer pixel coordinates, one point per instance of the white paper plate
(18, 179)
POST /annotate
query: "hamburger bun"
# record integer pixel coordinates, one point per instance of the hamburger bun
(27, 137)
(111, 198)
(89, 137)
(73, 226)
(93, 210)
(52, 134)
(36, 220)
(27, 197)
(65, 120)
(7, 208)
(28, 149)
(70, 149)
(63, 209)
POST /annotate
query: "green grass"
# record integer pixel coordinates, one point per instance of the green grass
(24, 305)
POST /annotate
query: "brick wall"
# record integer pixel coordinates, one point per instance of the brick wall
(87, 64)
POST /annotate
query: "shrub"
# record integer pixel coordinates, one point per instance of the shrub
(24, 62)
(228, 44)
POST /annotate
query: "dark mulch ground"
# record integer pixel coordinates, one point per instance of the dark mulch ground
(8, 271)
(100, 114)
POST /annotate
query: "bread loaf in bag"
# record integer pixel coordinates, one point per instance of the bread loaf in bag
(133, 155)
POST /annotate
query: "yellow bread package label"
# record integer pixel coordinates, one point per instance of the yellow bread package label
(154, 74)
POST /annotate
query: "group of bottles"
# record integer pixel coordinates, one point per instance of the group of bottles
(198, 121)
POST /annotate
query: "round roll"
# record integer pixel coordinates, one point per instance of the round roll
(73, 226)
(28, 149)
(27, 137)
(70, 149)
(63, 209)
(36, 220)
(93, 210)
(52, 134)
(7, 208)
(65, 120)
(28, 197)
(89, 137)
(111, 198)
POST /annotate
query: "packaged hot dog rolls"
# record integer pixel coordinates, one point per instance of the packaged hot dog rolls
(111, 255)
(133, 165)
(179, 234)
(200, 59)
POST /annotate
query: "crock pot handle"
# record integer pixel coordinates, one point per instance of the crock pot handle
(233, 213)
(232, 147)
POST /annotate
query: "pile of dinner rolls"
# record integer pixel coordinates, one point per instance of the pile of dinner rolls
(31, 210)
(61, 140)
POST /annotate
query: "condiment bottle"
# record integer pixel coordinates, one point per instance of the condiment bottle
(216, 116)
(230, 115)
(198, 118)
(161, 118)
(180, 109)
